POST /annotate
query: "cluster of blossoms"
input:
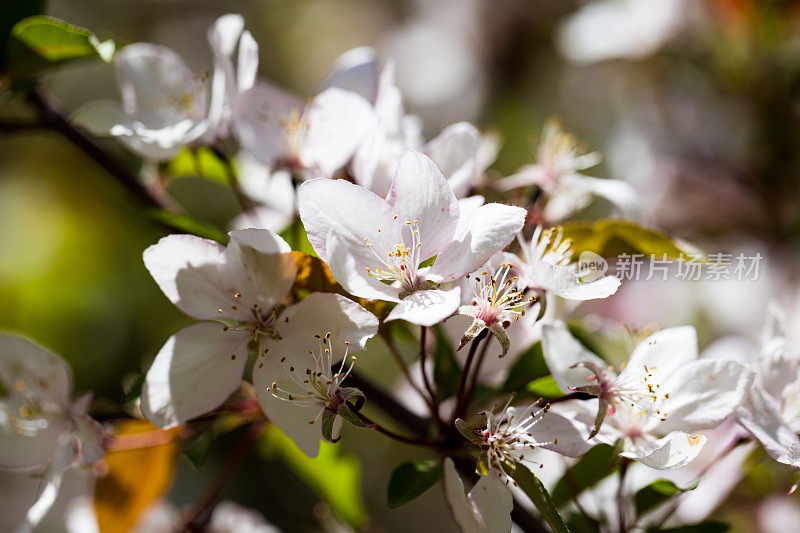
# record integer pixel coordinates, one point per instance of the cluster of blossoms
(395, 220)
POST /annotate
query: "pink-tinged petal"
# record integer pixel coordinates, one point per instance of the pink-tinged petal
(261, 115)
(427, 307)
(194, 373)
(703, 393)
(455, 153)
(259, 271)
(337, 122)
(420, 193)
(761, 416)
(28, 369)
(489, 229)
(666, 350)
(356, 71)
(561, 352)
(352, 213)
(673, 451)
(187, 269)
(351, 273)
(90, 436)
(567, 284)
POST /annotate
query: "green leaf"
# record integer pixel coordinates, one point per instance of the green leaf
(709, 526)
(591, 468)
(39, 42)
(186, 224)
(545, 387)
(612, 237)
(656, 493)
(334, 474)
(528, 366)
(412, 479)
(202, 162)
(446, 370)
(540, 497)
(13, 12)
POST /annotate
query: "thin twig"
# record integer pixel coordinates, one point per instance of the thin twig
(198, 519)
(389, 405)
(10, 126)
(461, 394)
(623, 469)
(398, 357)
(476, 371)
(423, 334)
(391, 434)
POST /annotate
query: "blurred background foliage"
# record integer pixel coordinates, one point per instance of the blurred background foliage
(705, 125)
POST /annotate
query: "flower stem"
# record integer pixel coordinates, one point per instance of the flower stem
(461, 395)
(391, 434)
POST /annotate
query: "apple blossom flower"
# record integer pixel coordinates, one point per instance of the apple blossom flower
(380, 249)
(486, 508)
(318, 389)
(236, 291)
(164, 105)
(546, 264)
(459, 151)
(557, 173)
(771, 411)
(496, 303)
(662, 393)
(44, 433)
(316, 138)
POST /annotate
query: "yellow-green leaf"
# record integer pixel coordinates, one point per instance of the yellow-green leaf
(612, 237)
(334, 474)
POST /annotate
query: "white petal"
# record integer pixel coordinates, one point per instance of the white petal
(666, 350)
(570, 438)
(618, 192)
(223, 35)
(561, 351)
(262, 217)
(98, 118)
(462, 510)
(261, 115)
(673, 451)
(427, 308)
(299, 327)
(187, 269)
(322, 313)
(703, 393)
(351, 212)
(32, 448)
(420, 193)
(31, 370)
(492, 500)
(247, 66)
(455, 153)
(356, 71)
(259, 268)
(17, 492)
(156, 86)
(337, 122)
(761, 416)
(489, 229)
(274, 189)
(194, 373)
(352, 275)
(90, 435)
(567, 284)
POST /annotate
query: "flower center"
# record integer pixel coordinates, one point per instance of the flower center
(497, 298)
(400, 265)
(547, 246)
(317, 385)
